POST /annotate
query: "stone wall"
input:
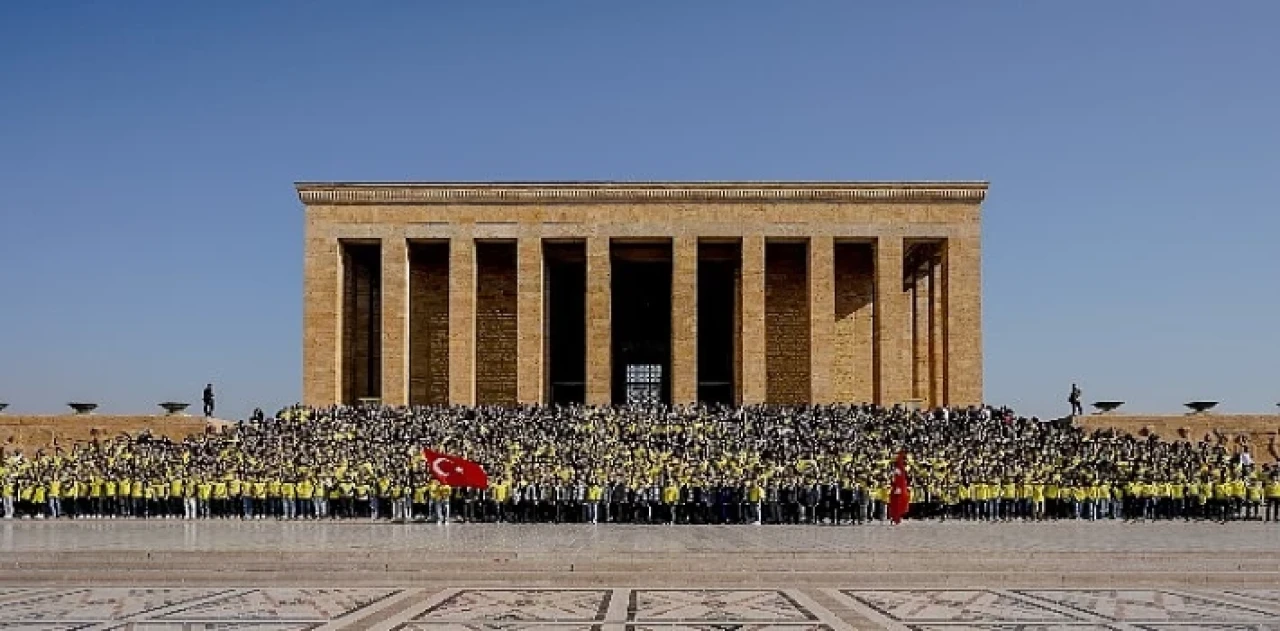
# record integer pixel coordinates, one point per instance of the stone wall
(786, 296)
(496, 338)
(853, 368)
(1260, 429)
(429, 323)
(29, 433)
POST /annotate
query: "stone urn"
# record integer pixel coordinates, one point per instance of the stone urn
(1105, 407)
(1201, 407)
(83, 408)
(174, 408)
(3, 406)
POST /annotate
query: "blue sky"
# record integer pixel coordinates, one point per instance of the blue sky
(150, 238)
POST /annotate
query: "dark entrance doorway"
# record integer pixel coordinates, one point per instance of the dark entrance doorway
(718, 282)
(361, 321)
(641, 322)
(566, 309)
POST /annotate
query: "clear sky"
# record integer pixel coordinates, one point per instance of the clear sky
(151, 240)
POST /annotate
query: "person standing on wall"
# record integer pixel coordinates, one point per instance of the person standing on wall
(208, 400)
(1074, 400)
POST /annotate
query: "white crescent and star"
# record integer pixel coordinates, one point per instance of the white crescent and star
(437, 467)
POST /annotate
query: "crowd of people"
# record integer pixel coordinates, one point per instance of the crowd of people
(648, 465)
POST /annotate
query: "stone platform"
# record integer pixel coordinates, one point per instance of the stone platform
(359, 575)
(31, 432)
(1260, 429)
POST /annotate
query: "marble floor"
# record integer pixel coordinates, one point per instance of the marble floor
(625, 609)
(364, 536)
(269, 576)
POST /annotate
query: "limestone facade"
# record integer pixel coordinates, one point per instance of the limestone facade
(842, 291)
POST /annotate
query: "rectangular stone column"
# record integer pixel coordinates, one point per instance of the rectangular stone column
(684, 320)
(462, 319)
(321, 320)
(964, 321)
(937, 336)
(530, 373)
(893, 331)
(599, 328)
(395, 321)
(920, 334)
(822, 314)
(754, 376)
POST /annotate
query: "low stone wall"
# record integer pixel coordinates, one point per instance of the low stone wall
(37, 432)
(1260, 428)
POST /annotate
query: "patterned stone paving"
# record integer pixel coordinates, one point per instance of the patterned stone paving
(997, 626)
(216, 626)
(1243, 626)
(44, 626)
(1269, 595)
(1073, 609)
(728, 626)
(279, 604)
(622, 609)
(521, 605)
(91, 605)
(1150, 605)
(967, 605)
(729, 605)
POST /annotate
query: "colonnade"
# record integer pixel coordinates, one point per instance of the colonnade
(906, 329)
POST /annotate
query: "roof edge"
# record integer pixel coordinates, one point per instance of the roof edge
(622, 192)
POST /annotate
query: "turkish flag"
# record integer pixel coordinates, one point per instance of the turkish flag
(455, 471)
(900, 491)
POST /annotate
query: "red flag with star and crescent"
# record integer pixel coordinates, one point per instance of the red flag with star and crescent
(900, 490)
(455, 471)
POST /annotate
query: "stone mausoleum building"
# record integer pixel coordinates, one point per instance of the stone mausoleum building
(605, 292)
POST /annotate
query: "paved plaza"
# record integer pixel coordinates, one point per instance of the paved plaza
(935, 576)
(604, 609)
(364, 536)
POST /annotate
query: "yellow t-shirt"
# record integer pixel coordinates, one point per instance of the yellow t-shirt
(442, 492)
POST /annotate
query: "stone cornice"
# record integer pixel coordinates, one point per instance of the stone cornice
(635, 192)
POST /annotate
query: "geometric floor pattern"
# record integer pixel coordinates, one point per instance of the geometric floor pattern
(622, 609)
(716, 606)
(1068, 609)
